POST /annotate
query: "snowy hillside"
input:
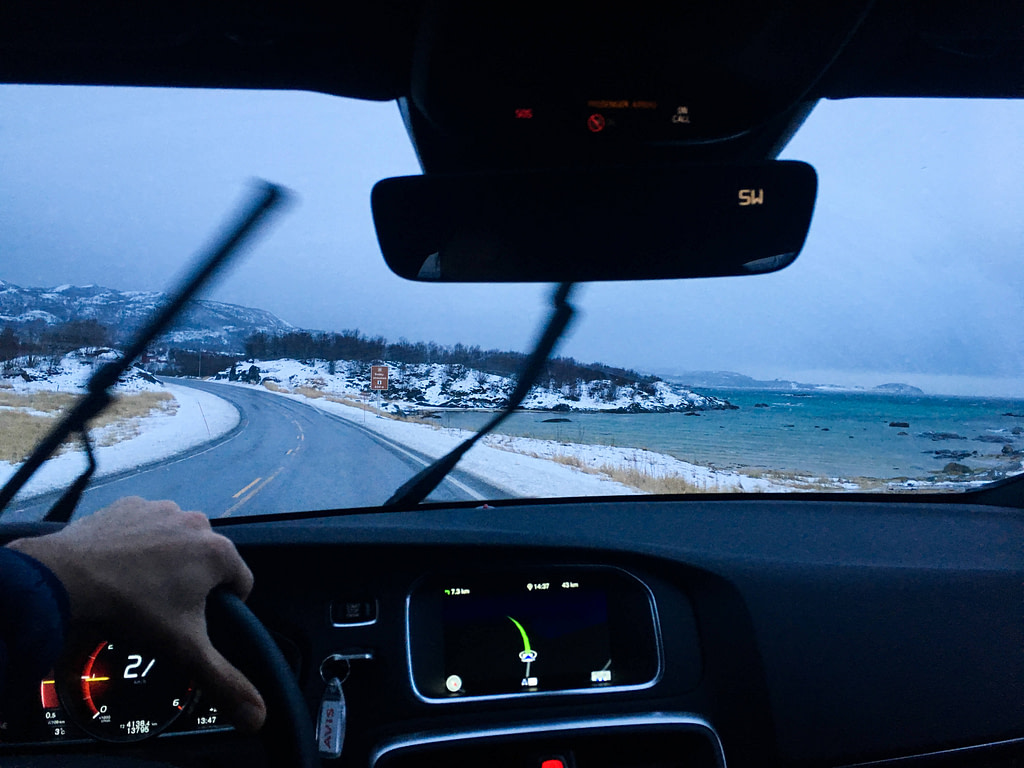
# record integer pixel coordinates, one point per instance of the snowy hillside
(70, 373)
(211, 325)
(437, 385)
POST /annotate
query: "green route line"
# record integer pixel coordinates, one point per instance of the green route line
(526, 640)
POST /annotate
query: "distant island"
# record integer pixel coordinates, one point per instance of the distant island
(898, 389)
(733, 380)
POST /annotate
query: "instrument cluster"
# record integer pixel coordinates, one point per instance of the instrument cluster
(116, 691)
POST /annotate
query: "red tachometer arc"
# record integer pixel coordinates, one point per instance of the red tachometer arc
(88, 678)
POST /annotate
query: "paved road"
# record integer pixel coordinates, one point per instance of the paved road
(283, 456)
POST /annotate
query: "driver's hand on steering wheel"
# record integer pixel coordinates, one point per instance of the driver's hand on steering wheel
(153, 564)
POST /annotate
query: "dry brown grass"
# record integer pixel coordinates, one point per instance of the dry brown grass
(47, 402)
(412, 419)
(353, 403)
(646, 483)
(32, 418)
(315, 394)
(570, 461)
(19, 433)
(805, 482)
(121, 417)
(632, 477)
(21, 430)
(378, 412)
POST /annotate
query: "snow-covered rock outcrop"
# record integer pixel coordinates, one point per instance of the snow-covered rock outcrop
(438, 385)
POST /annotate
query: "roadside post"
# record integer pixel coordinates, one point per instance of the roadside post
(378, 383)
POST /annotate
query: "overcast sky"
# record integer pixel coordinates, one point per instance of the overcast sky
(912, 271)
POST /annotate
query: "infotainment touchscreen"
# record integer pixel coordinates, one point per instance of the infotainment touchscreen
(531, 631)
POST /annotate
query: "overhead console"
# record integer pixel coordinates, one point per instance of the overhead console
(550, 86)
(531, 631)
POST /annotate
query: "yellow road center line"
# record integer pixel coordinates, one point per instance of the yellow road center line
(252, 493)
(250, 485)
(289, 453)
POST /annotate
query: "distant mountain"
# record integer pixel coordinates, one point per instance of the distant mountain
(210, 325)
(733, 380)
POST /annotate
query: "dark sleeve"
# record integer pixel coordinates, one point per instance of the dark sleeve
(34, 613)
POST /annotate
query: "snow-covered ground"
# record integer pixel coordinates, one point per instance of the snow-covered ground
(191, 419)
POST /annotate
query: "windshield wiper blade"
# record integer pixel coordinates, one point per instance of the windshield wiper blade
(266, 197)
(417, 488)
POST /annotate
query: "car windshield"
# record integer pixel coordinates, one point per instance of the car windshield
(888, 358)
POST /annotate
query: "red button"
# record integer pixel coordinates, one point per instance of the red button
(552, 763)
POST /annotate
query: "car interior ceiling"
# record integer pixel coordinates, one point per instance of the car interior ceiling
(813, 632)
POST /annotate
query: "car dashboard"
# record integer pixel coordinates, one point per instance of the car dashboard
(739, 632)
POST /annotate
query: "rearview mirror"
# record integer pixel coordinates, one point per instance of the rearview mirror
(595, 224)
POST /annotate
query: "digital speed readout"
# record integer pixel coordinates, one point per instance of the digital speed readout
(563, 629)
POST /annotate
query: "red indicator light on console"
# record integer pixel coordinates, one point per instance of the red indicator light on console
(595, 123)
(524, 113)
(552, 763)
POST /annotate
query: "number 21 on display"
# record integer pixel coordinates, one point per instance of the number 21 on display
(134, 662)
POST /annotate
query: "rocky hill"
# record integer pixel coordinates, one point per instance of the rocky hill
(438, 385)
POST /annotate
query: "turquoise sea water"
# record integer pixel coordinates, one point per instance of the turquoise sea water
(834, 434)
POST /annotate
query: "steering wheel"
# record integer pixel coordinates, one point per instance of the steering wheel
(288, 732)
(287, 735)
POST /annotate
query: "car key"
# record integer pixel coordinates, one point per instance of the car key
(330, 724)
(330, 730)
